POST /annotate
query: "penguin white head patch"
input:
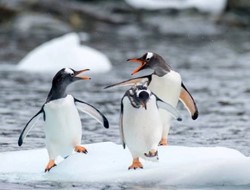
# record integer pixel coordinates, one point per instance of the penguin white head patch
(149, 55)
(68, 70)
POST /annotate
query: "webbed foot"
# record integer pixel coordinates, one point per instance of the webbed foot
(81, 149)
(136, 164)
(50, 165)
(163, 142)
(151, 154)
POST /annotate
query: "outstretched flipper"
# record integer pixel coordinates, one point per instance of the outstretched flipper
(132, 82)
(189, 103)
(92, 111)
(173, 111)
(29, 126)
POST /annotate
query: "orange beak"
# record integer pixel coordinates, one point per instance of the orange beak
(82, 77)
(144, 104)
(137, 60)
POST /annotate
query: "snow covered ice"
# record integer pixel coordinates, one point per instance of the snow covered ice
(65, 51)
(108, 162)
(211, 6)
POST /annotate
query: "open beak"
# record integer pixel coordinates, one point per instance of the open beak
(144, 104)
(137, 60)
(77, 73)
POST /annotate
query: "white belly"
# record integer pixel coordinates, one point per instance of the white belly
(168, 89)
(63, 128)
(142, 128)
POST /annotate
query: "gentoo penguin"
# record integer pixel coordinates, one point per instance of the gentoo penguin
(140, 123)
(166, 84)
(63, 128)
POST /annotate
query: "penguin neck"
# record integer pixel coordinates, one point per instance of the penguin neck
(56, 92)
(160, 66)
(162, 70)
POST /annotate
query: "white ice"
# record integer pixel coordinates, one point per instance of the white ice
(208, 6)
(64, 51)
(108, 162)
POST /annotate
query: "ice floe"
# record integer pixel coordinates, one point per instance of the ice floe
(211, 6)
(64, 51)
(108, 162)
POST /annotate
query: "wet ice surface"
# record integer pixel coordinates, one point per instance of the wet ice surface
(215, 69)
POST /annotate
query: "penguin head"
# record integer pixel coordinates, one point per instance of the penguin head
(67, 75)
(141, 95)
(153, 61)
(62, 79)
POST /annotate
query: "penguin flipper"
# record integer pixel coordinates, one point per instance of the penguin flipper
(121, 125)
(31, 123)
(169, 108)
(92, 111)
(132, 81)
(188, 101)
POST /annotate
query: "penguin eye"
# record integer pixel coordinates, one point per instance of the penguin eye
(72, 74)
(147, 59)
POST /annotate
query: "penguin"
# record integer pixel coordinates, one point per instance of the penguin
(166, 84)
(63, 130)
(140, 123)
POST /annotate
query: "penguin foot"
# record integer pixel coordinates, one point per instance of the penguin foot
(136, 164)
(50, 165)
(81, 149)
(163, 142)
(152, 153)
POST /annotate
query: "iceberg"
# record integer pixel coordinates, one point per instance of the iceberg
(64, 51)
(212, 6)
(108, 163)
